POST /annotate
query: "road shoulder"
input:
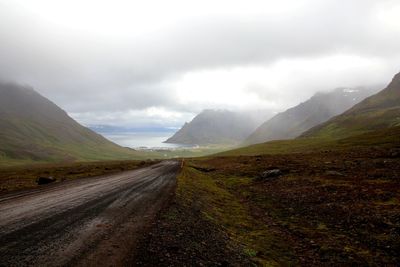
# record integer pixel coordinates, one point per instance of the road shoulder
(183, 235)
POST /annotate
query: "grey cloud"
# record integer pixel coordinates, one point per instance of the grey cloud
(89, 73)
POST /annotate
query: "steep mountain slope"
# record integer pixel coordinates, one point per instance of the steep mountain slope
(318, 109)
(379, 111)
(215, 127)
(34, 128)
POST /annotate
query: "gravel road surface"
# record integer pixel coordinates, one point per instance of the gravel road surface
(86, 222)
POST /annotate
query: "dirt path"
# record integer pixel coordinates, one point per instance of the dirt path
(87, 222)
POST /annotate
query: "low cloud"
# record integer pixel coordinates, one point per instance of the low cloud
(244, 55)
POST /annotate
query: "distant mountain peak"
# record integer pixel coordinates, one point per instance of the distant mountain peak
(215, 127)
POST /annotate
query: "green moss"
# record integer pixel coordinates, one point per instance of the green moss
(220, 206)
(322, 226)
(250, 252)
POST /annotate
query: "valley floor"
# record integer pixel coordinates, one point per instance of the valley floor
(323, 208)
(15, 178)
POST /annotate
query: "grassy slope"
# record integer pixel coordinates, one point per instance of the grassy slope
(351, 124)
(24, 140)
(304, 145)
(376, 112)
(32, 128)
(316, 110)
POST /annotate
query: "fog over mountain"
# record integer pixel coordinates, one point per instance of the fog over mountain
(217, 127)
(159, 63)
(377, 112)
(318, 109)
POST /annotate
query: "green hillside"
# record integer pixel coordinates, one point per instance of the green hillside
(389, 136)
(316, 110)
(376, 112)
(32, 129)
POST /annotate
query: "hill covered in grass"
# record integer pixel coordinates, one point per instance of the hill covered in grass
(379, 111)
(318, 109)
(32, 128)
(216, 127)
(383, 137)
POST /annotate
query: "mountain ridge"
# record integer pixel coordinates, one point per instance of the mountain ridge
(298, 119)
(379, 111)
(35, 128)
(215, 127)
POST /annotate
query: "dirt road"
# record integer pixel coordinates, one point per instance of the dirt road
(87, 222)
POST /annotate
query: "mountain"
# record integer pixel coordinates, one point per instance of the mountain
(32, 128)
(212, 127)
(379, 111)
(318, 109)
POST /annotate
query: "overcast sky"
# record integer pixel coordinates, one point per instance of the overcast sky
(158, 63)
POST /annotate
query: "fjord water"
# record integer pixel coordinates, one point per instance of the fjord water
(142, 139)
